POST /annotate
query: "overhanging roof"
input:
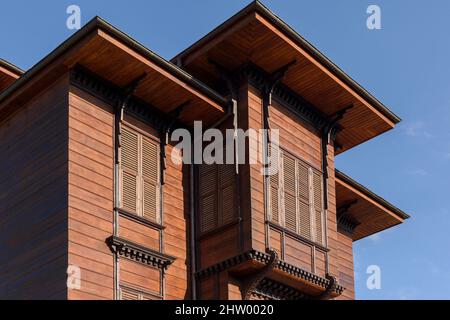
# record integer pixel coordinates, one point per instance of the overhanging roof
(114, 56)
(370, 212)
(258, 36)
(8, 74)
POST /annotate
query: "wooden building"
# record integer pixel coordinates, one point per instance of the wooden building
(89, 188)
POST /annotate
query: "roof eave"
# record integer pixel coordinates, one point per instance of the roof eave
(401, 214)
(257, 6)
(99, 23)
(11, 67)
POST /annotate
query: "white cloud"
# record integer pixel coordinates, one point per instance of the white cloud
(376, 237)
(416, 129)
(418, 172)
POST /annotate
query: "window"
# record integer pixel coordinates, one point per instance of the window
(132, 294)
(139, 172)
(296, 198)
(217, 205)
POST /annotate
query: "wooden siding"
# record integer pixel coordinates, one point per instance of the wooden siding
(90, 194)
(33, 197)
(176, 221)
(303, 142)
(136, 275)
(345, 265)
(256, 178)
(331, 215)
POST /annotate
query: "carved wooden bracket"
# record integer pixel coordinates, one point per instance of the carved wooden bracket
(250, 284)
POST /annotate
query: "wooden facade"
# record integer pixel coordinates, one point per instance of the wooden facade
(89, 163)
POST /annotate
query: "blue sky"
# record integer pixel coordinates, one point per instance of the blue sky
(405, 65)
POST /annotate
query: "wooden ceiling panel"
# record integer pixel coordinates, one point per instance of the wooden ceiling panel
(113, 56)
(373, 213)
(253, 36)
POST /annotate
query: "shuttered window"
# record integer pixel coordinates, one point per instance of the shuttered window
(296, 198)
(275, 189)
(217, 196)
(132, 294)
(139, 173)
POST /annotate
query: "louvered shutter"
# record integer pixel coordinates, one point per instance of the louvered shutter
(126, 294)
(148, 297)
(275, 187)
(227, 206)
(150, 173)
(304, 212)
(130, 168)
(318, 206)
(290, 199)
(208, 195)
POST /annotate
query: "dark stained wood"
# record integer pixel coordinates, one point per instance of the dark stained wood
(33, 198)
(7, 76)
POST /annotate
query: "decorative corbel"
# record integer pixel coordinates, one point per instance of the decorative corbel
(165, 130)
(329, 131)
(331, 288)
(275, 78)
(122, 102)
(345, 222)
(250, 284)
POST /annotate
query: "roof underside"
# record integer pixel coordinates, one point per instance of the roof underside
(8, 74)
(110, 54)
(257, 36)
(369, 211)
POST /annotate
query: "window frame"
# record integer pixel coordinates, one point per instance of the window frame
(141, 294)
(281, 223)
(140, 179)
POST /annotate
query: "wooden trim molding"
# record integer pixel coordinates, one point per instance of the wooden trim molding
(280, 265)
(139, 219)
(110, 93)
(273, 290)
(296, 236)
(138, 253)
(285, 96)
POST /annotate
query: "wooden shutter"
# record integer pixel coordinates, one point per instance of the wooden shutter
(130, 168)
(290, 198)
(318, 206)
(301, 206)
(227, 205)
(304, 212)
(146, 297)
(275, 189)
(208, 196)
(126, 294)
(150, 174)
(140, 174)
(129, 294)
